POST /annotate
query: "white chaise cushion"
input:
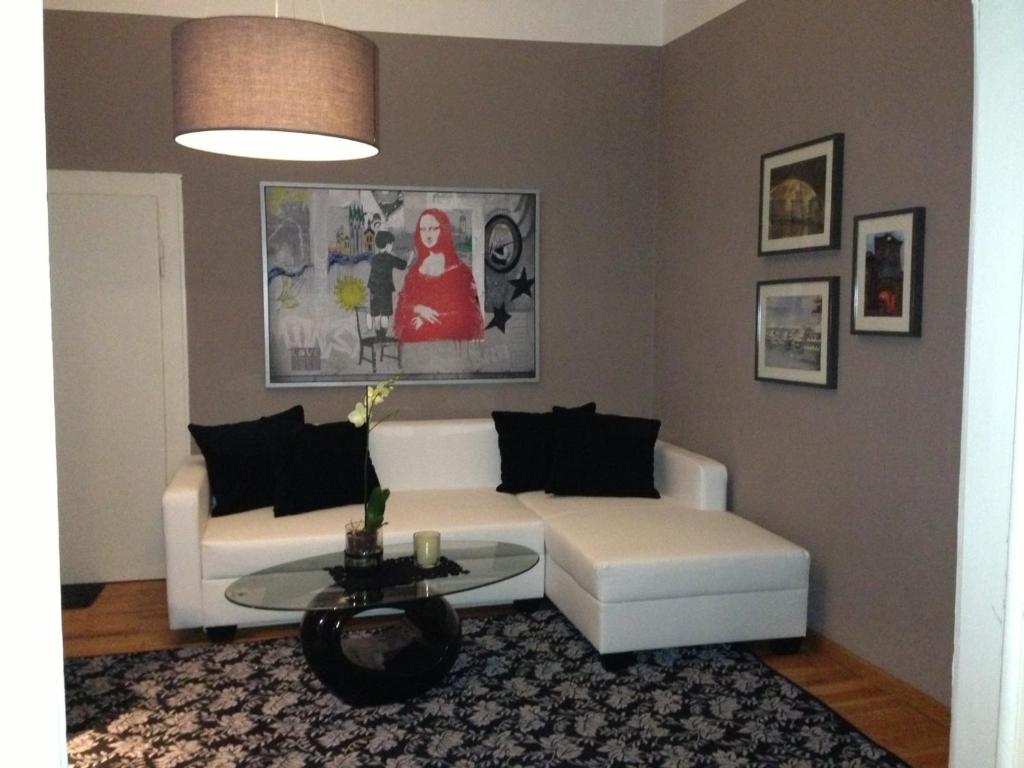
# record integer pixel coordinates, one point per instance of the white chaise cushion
(235, 545)
(624, 550)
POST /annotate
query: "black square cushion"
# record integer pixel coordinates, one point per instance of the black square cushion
(317, 466)
(238, 461)
(524, 440)
(603, 455)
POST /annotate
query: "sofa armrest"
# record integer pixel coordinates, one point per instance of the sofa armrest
(696, 480)
(186, 509)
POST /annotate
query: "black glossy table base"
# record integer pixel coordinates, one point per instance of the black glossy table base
(377, 666)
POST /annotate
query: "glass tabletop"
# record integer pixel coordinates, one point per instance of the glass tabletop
(307, 584)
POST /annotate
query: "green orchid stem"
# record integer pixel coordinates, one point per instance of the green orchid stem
(366, 464)
(374, 517)
(375, 500)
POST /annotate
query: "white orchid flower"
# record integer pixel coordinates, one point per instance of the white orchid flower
(358, 415)
(373, 499)
(374, 396)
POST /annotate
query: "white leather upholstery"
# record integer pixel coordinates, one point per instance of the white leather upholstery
(450, 453)
(697, 620)
(186, 509)
(634, 573)
(629, 573)
(463, 513)
(688, 477)
(251, 541)
(408, 455)
(254, 540)
(620, 550)
(235, 545)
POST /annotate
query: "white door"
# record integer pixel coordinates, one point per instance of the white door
(120, 377)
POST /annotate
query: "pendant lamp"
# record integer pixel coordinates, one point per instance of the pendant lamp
(280, 89)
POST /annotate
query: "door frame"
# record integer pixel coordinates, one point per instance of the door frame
(165, 188)
(988, 657)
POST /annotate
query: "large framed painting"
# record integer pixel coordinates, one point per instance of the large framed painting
(802, 197)
(888, 258)
(797, 334)
(363, 283)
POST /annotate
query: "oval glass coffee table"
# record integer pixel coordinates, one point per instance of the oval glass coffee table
(417, 646)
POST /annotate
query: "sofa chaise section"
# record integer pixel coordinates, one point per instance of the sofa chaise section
(633, 574)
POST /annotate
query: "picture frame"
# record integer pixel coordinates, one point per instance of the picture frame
(888, 272)
(802, 197)
(797, 331)
(363, 283)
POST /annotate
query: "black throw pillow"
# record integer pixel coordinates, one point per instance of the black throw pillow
(603, 455)
(524, 440)
(318, 466)
(238, 461)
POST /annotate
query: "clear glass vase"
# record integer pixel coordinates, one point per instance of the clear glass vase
(364, 547)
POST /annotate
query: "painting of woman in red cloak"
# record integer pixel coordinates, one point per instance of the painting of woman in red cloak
(439, 299)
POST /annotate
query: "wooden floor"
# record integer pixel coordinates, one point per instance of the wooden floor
(132, 616)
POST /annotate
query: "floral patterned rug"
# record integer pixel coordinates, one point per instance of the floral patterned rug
(527, 690)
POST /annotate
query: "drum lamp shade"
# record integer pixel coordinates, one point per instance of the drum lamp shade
(273, 88)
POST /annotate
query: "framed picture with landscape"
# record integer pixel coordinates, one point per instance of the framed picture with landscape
(888, 257)
(797, 334)
(802, 197)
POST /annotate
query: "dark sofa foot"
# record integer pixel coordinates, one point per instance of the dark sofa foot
(617, 662)
(530, 605)
(786, 646)
(224, 634)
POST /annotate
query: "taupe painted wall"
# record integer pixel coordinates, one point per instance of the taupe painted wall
(865, 476)
(648, 255)
(575, 122)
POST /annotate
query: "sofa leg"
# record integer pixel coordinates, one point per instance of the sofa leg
(785, 646)
(617, 662)
(223, 634)
(529, 605)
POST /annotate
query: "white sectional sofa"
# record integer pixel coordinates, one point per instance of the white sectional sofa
(630, 573)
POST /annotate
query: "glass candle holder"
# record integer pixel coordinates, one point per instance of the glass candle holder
(427, 547)
(363, 546)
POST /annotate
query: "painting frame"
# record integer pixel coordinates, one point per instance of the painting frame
(341, 306)
(888, 304)
(785, 347)
(801, 197)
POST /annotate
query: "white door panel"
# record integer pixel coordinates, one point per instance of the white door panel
(112, 388)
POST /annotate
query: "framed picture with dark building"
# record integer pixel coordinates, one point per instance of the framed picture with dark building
(802, 197)
(888, 258)
(797, 338)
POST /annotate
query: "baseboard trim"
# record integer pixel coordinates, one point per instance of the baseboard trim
(922, 702)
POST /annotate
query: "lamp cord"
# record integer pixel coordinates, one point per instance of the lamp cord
(320, 3)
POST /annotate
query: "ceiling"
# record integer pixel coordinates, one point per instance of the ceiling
(612, 22)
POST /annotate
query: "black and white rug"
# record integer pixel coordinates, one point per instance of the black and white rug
(527, 690)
